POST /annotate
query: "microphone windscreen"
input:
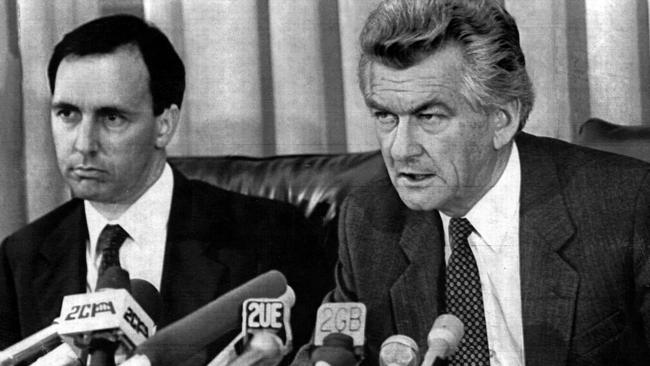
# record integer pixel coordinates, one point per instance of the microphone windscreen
(337, 350)
(449, 328)
(399, 350)
(443, 339)
(113, 277)
(265, 348)
(339, 340)
(148, 297)
(187, 336)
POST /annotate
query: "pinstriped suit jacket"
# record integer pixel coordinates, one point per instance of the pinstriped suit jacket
(584, 256)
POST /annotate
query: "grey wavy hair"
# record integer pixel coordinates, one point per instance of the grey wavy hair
(401, 33)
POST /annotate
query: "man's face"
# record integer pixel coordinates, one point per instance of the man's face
(438, 150)
(106, 137)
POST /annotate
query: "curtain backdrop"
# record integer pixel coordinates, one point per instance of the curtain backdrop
(271, 77)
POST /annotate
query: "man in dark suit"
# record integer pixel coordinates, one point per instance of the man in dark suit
(117, 86)
(540, 247)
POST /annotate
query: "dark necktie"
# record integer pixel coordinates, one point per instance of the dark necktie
(464, 297)
(110, 240)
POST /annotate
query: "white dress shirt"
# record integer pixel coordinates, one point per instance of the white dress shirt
(495, 245)
(143, 252)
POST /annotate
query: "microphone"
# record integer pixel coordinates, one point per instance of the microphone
(399, 350)
(337, 350)
(266, 330)
(144, 294)
(110, 318)
(187, 336)
(269, 315)
(339, 323)
(443, 339)
(341, 317)
(264, 346)
(102, 349)
(31, 347)
(148, 297)
(47, 342)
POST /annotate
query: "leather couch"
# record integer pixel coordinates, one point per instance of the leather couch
(317, 184)
(632, 141)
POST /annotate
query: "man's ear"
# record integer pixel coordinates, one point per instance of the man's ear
(166, 124)
(506, 123)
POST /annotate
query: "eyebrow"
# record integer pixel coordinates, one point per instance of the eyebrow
(371, 103)
(432, 104)
(101, 111)
(63, 105)
(112, 110)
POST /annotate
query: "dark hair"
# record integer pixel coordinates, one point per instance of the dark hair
(401, 33)
(105, 35)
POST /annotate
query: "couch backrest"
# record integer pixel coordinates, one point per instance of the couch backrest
(632, 141)
(317, 184)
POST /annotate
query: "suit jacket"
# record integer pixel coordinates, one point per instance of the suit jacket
(216, 240)
(584, 258)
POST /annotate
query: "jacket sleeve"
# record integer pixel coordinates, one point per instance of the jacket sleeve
(9, 322)
(641, 256)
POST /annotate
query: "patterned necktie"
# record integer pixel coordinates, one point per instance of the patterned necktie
(110, 240)
(464, 297)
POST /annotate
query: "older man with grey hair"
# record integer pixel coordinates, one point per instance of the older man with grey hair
(540, 247)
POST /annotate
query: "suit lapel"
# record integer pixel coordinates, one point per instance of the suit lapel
(191, 277)
(414, 295)
(61, 265)
(548, 282)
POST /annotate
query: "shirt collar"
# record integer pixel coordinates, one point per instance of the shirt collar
(497, 209)
(149, 212)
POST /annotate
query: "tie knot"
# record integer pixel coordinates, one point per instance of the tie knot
(111, 238)
(460, 229)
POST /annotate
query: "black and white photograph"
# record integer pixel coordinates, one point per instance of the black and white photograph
(325, 182)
